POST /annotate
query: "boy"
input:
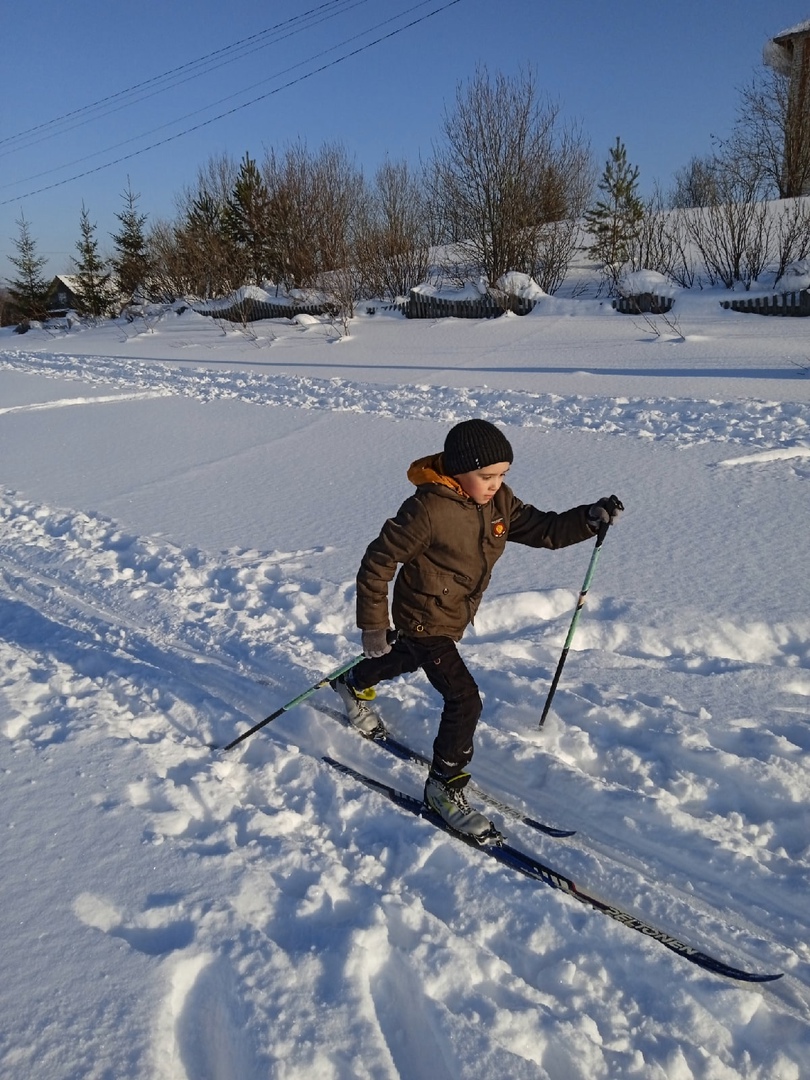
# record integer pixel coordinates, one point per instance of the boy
(446, 538)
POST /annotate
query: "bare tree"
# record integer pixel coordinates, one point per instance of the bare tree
(338, 192)
(316, 198)
(761, 135)
(661, 243)
(771, 133)
(694, 184)
(506, 171)
(168, 278)
(288, 178)
(392, 241)
(791, 234)
(734, 233)
(556, 243)
(770, 140)
(557, 239)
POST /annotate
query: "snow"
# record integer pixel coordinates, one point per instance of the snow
(520, 285)
(799, 28)
(796, 277)
(182, 513)
(647, 281)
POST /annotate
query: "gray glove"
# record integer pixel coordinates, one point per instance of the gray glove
(375, 643)
(605, 512)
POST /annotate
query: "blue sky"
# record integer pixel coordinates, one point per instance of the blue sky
(663, 75)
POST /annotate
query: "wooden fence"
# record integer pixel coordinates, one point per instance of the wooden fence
(794, 303)
(417, 306)
(250, 310)
(644, 302)
(424, 306)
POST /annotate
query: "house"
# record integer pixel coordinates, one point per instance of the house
(63, 295)
(789, 54)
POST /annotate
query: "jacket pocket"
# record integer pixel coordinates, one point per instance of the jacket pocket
(432, 597)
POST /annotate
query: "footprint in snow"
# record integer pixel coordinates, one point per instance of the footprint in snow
(202, 1028)
(159, 930)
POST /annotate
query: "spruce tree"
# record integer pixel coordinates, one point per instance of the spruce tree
(29, 290)
(130, 261)
(206, 250)
(248, 219)
(92, 291)
(614, 219)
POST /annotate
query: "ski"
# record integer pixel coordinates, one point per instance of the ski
(528, 865)
(403, 752)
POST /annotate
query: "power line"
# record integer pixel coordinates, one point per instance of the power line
(244, 105)
(300, 22)
(197, 112)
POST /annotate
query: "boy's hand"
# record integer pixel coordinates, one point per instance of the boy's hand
(605, 511)
(375, 643)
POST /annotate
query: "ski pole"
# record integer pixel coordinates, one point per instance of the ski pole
(392, 637)
(614, 504)
(295, 701)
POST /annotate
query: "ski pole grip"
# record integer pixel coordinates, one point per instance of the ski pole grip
(614, 503)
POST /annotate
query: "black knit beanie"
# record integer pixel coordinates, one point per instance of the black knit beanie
(474, 444)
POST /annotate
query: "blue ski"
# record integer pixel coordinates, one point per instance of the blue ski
(406, 753)
(531, 867)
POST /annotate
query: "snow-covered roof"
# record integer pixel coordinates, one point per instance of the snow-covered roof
(799, 28)
(73, 282)
(70, 280)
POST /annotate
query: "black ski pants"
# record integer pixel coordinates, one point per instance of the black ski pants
(439, 658)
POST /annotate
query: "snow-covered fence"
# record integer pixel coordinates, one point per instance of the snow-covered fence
(643, 302)
(792, 303)
(426, 306)
(251, 310)
(520, 305)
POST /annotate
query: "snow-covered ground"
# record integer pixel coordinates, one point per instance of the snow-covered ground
(182, 512)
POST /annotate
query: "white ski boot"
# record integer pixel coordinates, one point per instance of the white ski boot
(358, 712)
(445, 795)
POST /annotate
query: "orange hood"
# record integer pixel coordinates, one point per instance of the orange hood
(428, 470)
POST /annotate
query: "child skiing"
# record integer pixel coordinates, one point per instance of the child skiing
(446, 539)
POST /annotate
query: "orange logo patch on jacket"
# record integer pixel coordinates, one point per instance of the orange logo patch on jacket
(498, 528)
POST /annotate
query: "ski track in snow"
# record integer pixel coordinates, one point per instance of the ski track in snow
(66, 403)
(767, 424)
(171, 649)
(333, 934)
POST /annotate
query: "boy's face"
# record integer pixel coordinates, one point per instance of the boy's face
(482, 484)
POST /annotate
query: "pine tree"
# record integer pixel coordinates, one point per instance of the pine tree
(92, 290)
(29, 290)
(614, 219)
(130, 261)
(206, 250)
(248, 219)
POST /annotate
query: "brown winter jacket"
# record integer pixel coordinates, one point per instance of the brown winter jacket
(447, 546)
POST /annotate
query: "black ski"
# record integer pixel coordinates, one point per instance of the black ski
(406, 753)
(531, 867)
